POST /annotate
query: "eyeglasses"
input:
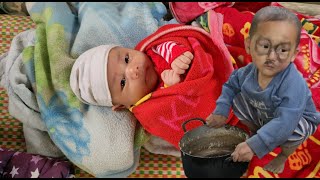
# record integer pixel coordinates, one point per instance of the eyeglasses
(282, 51)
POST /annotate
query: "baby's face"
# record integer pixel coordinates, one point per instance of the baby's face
(272, 47)
(131, 75)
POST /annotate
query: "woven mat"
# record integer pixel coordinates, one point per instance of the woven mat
(11, 134)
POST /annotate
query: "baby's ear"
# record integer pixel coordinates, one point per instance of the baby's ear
(118, 107)
(247, 45)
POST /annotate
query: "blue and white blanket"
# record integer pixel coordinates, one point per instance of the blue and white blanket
(98, 140)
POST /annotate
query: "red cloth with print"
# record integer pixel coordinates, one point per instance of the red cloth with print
(164, 112)
(305, 161)
(195, 9)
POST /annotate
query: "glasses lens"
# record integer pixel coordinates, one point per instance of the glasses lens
(282, 52)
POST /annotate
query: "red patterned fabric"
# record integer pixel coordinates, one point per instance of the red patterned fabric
(194, 9)
(236, 25)
(163, 114)
(250, 6)
(305, 161)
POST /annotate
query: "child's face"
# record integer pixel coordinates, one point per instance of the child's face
(272, 47)
(131, 76)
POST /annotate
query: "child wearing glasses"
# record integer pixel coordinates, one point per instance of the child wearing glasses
(269, 95)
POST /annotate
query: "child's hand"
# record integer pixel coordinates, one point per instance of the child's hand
(242, 153)
(181, 63)
(169, 77)
(214, 120)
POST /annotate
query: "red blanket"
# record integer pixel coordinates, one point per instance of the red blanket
(164, 112)
(305, 161)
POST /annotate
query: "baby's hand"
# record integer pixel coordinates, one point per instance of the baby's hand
(169, 77)
(181, 63)
(216, 121)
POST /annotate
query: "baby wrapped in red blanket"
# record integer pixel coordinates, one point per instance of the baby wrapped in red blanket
(118, 77)
(164, 110)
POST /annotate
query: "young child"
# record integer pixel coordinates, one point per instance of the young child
(269, 95)
(118, 77)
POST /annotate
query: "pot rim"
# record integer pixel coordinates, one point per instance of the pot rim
(205, 125)
(208, 157)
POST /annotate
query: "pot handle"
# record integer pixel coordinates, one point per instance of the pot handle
(229, 162)
(198, 119)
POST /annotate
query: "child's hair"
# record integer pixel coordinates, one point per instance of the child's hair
(274, 13)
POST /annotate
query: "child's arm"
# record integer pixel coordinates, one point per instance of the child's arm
(229, 90)
(291, 101)
(182, 62)
(170, 50)
(242, 153)
(179, 58)
(179, 66)
(220, 115)
(170, 78)
(215, 120)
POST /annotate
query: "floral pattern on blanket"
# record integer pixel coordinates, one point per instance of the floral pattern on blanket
(83, 133)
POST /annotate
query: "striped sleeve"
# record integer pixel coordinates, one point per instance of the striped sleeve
(169, 50)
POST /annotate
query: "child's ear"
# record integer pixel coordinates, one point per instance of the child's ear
(118, 107)
(294, 55)
(247, 45)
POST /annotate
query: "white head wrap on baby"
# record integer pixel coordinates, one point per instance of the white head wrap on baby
(88, 78)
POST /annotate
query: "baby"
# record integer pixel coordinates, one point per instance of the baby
(118, 77)
(269, 95)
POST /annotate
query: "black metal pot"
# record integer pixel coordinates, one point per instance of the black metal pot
(206, 152)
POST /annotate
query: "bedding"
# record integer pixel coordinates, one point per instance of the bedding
(150, 165)
(15, 164)
(37, 69)
(11, 131)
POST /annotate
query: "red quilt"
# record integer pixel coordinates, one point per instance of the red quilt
(305, 161)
